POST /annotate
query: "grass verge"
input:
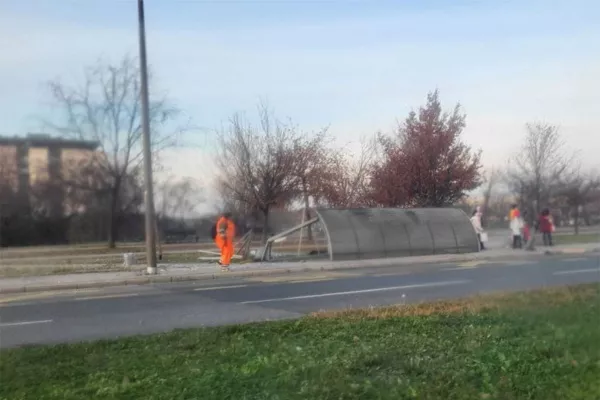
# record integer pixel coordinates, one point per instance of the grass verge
(12, 269)
(16, 271)
(91, 251)
(534, 345)
(577, 239)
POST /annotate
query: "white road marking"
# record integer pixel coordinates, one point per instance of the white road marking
(458, 268)
(383, 289)
(217, 288)
(108, 296)
(7, 324)
(16, 299)
(577, 271)
(574, 259)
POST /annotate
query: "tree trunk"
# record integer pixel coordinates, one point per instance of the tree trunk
(309, 232)
(576, 220)
(112, 217)
(306, 210)
(265, 232)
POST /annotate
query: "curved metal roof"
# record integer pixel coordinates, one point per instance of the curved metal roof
(396, 232)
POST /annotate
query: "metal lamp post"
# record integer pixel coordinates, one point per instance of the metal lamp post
(149, 192)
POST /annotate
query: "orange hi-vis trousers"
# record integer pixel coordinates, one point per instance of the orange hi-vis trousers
(225, 244)
(224, 239)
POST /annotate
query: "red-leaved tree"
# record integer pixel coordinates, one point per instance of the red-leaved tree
(426, 164)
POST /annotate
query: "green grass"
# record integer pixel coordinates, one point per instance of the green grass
(538, 345)
(577, 239)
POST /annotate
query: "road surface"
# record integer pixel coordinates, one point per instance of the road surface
(35, 318)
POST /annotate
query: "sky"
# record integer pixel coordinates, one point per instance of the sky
(355, 66)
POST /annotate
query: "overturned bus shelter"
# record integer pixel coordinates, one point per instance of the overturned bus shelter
(367, 233)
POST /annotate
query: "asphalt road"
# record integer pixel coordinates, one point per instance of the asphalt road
(72, 316)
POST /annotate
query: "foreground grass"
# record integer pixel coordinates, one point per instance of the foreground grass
(538, 345)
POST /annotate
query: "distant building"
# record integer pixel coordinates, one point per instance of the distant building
(37, 158)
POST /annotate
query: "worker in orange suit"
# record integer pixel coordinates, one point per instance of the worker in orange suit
(224, 238)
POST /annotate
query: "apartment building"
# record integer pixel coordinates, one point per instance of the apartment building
(36, 158)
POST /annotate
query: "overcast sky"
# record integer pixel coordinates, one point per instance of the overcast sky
(356, 66)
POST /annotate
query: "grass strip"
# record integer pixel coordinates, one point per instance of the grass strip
(577, 239)
(533, 345)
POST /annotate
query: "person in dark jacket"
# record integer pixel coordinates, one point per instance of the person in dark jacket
(546, 226)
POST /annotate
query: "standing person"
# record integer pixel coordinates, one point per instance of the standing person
(225, 235)
(516, 225)
(476, 222)
(546, 226)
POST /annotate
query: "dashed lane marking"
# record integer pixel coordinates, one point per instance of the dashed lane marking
(392, 273)
(218, 288)
(300, 278)
(9, 299)
(22, 323)
(577, 271)
(382, 289)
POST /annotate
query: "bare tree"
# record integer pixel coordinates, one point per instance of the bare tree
(230, 201)
(534, 173)
(179, 198)
(346, 181)
(490, 181)
(314, 164)
(106, 109)
(498, 209)
(257, 165)
(578, 190)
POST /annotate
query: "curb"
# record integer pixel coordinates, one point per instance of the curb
(572, 251)
(335, 265)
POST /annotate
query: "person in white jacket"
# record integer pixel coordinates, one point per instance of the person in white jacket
(476, 222)
(516, 228)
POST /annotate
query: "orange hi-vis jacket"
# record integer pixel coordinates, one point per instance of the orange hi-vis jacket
(225, 228)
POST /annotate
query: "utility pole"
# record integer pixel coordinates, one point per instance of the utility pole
(150, 227)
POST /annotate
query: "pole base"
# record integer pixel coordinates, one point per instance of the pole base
(151, 270)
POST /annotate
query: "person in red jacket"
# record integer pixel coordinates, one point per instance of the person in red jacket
(546, 226)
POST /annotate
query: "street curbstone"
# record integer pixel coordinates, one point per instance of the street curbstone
(183, 278)
(99, 284)
(139, 280)
(49, 287)
(11, 290)
(160, 279)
